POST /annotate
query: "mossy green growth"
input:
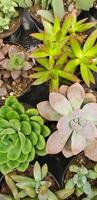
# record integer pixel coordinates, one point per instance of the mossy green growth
(22, 136)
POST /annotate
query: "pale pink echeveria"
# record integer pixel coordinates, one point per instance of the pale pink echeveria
(77, 123)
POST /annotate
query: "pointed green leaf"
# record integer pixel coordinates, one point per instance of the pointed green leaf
(71, 65)
(44, 62)
(39, 36)
(44, 171)
(90, 41)
(85, 74)
(39, 54)
(76, 48)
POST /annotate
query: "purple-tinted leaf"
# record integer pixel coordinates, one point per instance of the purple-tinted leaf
(63, 89)
(64, 127)
(76, 95)
(67, 152)
(89, 131)
(60, 104)
(55, 143)
(27, 66)
(78, 143)
(47, 112)
(91, 150)
(12, 50)
(89, 111)
(15, 74)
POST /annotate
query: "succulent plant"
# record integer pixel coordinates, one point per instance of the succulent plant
(85, 57)
(85, 5)
(22, 136)
(37, 187)
(7, 13)
(15, 66)
(56, 50)
(49, 8)
(81, 181)
(76, 128)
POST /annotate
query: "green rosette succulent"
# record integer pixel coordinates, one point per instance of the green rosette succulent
(22, 136)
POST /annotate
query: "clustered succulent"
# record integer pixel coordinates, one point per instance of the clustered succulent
(63, 50)
(49, 8)
(22, 136)
(77, 121)
(80, 182)
(7, 13)
(14, 64)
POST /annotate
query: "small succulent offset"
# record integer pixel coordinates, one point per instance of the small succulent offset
(81, 181)
(85, 58)
(22, 136)
(15, 61)
(49, 8)
(77, 122)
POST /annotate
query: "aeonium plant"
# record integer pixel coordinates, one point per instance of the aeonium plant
(22, 136)
(77, 121)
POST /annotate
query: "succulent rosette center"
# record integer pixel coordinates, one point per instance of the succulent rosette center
(77, 121)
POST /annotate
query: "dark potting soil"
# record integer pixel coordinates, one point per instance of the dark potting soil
(81, 160)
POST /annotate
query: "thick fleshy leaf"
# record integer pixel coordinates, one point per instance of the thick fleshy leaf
(55, 143)
(46, 14)
(91, 150)
(89, 98)
(78, 143)
(67, 152)
(37, 172)
(63, 89)
(76, 95)
(89, 111)
(85, 74)
(15, 74)
(47, 112)
(39, 36)
(64, 128)
(89, 131)
(84, 5)
(60, 104)
(72, 65)
(76, 48)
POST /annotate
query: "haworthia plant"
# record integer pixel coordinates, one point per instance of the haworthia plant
(85, 5)
(22, 136)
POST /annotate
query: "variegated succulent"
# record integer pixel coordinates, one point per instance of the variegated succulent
(22, 136)
(77, 121)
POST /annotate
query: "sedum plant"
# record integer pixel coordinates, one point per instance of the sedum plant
(49, 8)
(85, 58)
(76, 128)
(36, 187)
(22, 136)
(81, 181)
(61, 52)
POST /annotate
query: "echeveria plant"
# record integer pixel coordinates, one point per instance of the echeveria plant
(81, 181)
(22, 136)
(76, 128)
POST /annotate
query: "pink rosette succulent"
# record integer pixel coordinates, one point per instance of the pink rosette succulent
(76, 113)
